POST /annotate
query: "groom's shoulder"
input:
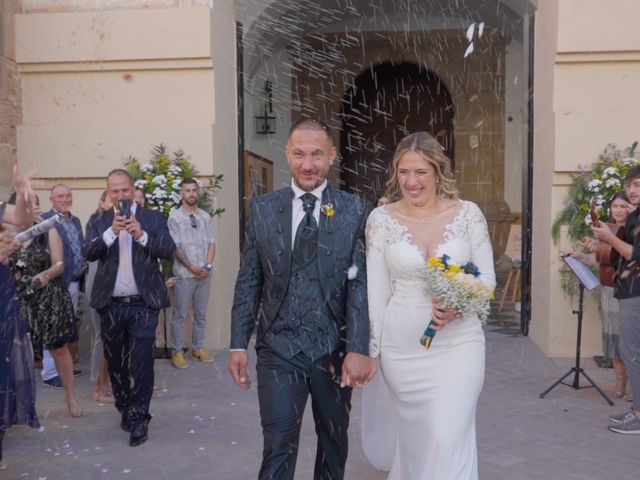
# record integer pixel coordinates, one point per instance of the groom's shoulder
(268, 198)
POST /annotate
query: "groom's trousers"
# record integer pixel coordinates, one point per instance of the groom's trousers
(283, 388)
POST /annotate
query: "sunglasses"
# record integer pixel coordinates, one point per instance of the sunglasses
(194, 224)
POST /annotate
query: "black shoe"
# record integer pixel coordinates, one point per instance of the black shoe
(139, 434)
(54, 382)
(77, 373)
(126, 423)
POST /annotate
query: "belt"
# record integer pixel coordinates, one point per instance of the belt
(129, 299)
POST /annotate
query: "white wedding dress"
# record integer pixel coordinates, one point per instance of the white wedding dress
(418, 415)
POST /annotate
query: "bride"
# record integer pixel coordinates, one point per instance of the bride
(432, 393)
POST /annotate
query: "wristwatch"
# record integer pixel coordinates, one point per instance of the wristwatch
(207, 267)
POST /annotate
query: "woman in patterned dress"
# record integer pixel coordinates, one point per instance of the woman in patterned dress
(46, 304)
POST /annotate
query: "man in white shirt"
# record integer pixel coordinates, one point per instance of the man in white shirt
(192, 231)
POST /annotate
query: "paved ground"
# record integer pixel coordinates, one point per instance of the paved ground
(206, 428)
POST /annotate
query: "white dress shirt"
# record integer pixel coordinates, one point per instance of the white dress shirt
(297, 213)
(121, 289)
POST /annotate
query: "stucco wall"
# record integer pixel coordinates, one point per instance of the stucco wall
(10, 98)
(586, 79)
(101, 82)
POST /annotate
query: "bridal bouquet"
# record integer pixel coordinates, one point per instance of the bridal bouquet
(457, 287)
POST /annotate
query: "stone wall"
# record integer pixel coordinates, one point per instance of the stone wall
(10, 101)
(32, 6)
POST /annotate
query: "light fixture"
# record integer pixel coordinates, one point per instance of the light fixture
(266, 123)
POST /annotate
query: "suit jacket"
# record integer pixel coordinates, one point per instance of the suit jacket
(67, 274)
(265, 266)
(146, 270)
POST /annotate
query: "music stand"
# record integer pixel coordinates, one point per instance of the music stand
(589, 281)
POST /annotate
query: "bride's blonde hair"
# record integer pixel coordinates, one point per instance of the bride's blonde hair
(430, 150)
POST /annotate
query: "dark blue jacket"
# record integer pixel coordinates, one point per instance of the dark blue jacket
(146, 271)
(263, 279)
(67, 275)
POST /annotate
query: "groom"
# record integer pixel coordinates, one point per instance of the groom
(302, 278)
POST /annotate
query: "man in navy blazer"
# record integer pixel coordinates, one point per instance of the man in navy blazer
(128, 292)
(302, 279)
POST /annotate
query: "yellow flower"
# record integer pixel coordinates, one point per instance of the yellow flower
(449, 274)
(435, 263)
(328, 209)
(453, 268)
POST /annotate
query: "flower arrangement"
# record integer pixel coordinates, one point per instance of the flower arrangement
(160, 181)
(603, 179)
(457, 287)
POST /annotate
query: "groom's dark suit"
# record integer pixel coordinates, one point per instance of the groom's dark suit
(309, 315)
(128, 324)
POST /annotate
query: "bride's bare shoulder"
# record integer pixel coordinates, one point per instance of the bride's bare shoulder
(450, 203)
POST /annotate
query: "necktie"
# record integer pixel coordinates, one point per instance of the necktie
(125, 258)
(306, 241)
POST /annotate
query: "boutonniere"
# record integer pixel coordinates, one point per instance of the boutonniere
(328, 210)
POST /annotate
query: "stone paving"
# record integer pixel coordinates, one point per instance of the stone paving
(206, 428)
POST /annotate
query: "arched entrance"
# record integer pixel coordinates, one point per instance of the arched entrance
(386, 103)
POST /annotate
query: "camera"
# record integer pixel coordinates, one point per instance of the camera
(124, 206)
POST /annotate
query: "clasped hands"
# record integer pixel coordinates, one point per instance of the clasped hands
(131, 225)
(357, 369)
(198, 271)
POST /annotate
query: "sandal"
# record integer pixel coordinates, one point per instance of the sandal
(102, 397)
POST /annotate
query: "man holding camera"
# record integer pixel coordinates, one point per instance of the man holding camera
(192, 231)
(128, 292)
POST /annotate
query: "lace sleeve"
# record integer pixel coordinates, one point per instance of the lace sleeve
(378, 280)
(481, 249)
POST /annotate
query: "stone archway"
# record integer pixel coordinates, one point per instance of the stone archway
(387, 102)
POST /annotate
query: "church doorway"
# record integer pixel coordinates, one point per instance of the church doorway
(385, 103)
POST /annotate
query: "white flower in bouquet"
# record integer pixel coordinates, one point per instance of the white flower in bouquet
(612, 182)
(159, 193)
(594, 185)
(159, 180)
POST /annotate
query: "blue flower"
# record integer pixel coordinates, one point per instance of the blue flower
(471, 269)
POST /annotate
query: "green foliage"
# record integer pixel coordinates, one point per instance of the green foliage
(208, 192)
(601, 181)
(160, 180)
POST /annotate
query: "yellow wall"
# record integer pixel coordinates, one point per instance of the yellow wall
(587, 71)
(98, 86)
